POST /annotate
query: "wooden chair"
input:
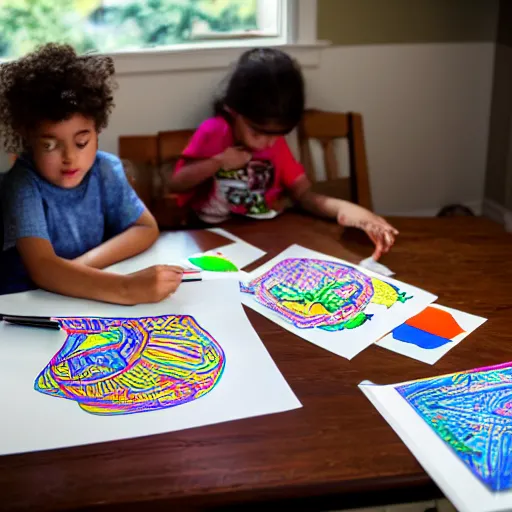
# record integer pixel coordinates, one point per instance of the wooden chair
(326, 127)
(139, 148)
(154, 157)
(139, 154)
(171, 145)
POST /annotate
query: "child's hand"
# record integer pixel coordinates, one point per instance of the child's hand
(152, 284)
(380, 232)
(233, 159)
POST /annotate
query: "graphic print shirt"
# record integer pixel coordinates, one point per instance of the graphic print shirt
(251, 190)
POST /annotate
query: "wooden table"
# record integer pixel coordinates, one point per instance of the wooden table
(336, 451)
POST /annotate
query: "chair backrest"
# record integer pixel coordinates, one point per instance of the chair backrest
(326, 128)
(139, 148)
(155, 156)
(139, 154)
(171, 145)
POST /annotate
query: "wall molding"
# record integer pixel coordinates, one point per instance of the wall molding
(200, 59)
(476, 207)
(498, 213)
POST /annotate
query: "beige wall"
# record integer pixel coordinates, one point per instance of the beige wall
(425, 108)
(498, 187)
(355, 22)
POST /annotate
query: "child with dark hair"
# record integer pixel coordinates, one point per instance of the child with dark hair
(262, 102)
(68, 210)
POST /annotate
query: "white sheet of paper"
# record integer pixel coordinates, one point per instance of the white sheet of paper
(207, 275)
(251, 384)
(157, 254)
(370, 264)
(215, 276)
(349, 342)
(461, 487)
(239, 252)
(467, 322)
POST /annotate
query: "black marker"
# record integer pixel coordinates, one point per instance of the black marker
(31, 321)
(46, 322)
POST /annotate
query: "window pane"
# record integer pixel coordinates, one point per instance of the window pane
(110, 25)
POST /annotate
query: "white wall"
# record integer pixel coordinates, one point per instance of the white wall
(426, 109)
(426, 112)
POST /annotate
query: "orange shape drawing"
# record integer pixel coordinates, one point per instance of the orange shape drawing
(436, 321)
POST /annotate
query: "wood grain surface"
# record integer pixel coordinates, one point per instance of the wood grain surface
(336, 451)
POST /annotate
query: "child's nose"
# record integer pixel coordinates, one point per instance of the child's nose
(68, 155)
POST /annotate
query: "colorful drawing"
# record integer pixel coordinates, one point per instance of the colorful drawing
(317, 293)
(430, 329)
(472, 413)
(213, 262)
(128, 365)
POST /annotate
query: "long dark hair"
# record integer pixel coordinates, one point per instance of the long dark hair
(266, 87)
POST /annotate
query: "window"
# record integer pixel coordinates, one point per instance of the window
(120, 26)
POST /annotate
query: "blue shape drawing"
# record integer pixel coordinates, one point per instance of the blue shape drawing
(418, 337)
(472, 413)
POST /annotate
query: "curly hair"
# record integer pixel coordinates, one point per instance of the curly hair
(52, 84)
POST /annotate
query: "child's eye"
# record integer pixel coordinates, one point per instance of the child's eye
(49, 145)
(81, 145)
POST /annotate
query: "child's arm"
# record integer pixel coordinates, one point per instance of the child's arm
(380, 232)
(136, 239)
(191, 175)
(66, 277)
(195, 172)
(129, 226)
(206, 153)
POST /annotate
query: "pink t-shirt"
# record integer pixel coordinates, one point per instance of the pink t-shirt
(249, 191)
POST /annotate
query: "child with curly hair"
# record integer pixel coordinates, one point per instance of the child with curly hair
(68, 210)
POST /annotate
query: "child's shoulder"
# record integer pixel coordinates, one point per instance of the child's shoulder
(215, 126)
(108, 165)
(211, 137)
(109, 172)
(107, 160)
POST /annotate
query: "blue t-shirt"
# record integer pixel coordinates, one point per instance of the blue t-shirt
(74, 220)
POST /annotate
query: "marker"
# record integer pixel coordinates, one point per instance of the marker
(31, 321)
(190, 279)
(190, 275)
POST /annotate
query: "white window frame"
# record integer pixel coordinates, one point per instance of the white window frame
(299, 40)
(271, 16)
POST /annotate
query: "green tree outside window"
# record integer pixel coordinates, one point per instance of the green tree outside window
(111, 25)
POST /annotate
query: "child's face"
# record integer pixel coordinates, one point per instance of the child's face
(65, 151)
(254, 137)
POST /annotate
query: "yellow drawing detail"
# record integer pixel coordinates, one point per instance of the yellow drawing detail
(384, 294)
